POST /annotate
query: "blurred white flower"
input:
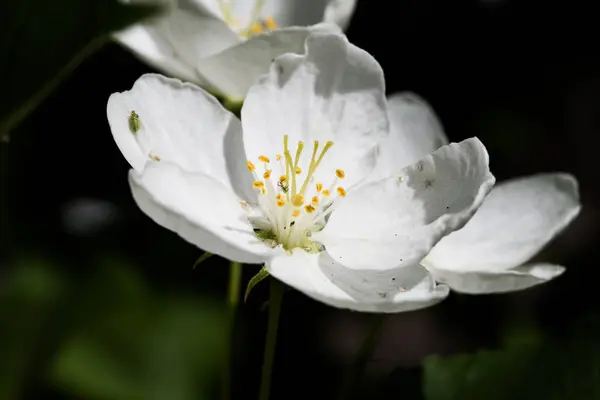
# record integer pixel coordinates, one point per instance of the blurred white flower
(292, 184)
(492, 252)
(88, 216)
(225, 45)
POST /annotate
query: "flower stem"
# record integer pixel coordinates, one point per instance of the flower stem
(5, 233)
(357, 369)
(269, 355)
(233, 299)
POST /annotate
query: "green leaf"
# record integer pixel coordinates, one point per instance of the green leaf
(202, 258)
(529, 367)
(256, 279)
(143, 344)
(42, 41)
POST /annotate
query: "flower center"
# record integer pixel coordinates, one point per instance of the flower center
(291, 205)
(255, 24)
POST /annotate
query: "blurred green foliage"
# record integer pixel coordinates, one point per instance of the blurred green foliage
(529, 366)
(26, 299)
(42, 41)
(110, 336)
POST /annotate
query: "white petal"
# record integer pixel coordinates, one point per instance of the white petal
(153, 48)
(396, 221)
(415, 132)
(334, 92)
(340, 12)
(195, 36)
(235, 69)
(198, 208)
(322, 279)
(182, 124)
(515, 221)
(480, 282)
(284, 12)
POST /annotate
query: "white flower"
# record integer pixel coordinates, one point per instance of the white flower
(224, 45)
(287, 185)
(492, 252)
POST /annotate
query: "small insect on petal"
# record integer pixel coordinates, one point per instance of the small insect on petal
(134, 122)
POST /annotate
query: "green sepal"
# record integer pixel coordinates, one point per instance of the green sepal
(262, 274)
(202, 258)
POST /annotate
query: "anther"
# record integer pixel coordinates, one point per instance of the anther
(267, 174)
(341, 191)
(270, 23)
(255, 28)
(309, 209)
(340, 173)
(280, 203)
(319, 187)
(264, 159)
(298, 170)
(315, 200)
(325, 193)
(258, 184)
(298, 200)
(295, 213)
(250, 166)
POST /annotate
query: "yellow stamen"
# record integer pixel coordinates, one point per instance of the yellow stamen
(341, 191)
(283, 179)
(251, 166)
(278, 157)
(314, 164)
(315, 200)
(298, 200)
(340, 173)
(267, 174)
(325, 193)
(280, 203)
(309, 209)
(263, 191)
(270, 23)
(295, 213)
(255, 28)
(264, 159)
(298, 170)
(319, 187)
(258, 184)
(279, 197)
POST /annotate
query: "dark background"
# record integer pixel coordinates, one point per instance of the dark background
(523, 76)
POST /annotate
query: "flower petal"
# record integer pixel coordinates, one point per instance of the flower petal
(195, 36)
(415, 132)
(340, 12)
(334, 92)
(199, 209)
(480, 282)
(235, 69)
(151, 46)
(515, 221)
(396, 221)
(321, 278)
(182, 124)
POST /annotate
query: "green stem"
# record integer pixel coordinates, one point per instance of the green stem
(271, 341)
(5, 234)
(233, 299)
(357, 369)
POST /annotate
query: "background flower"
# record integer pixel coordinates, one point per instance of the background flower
(225, 45)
